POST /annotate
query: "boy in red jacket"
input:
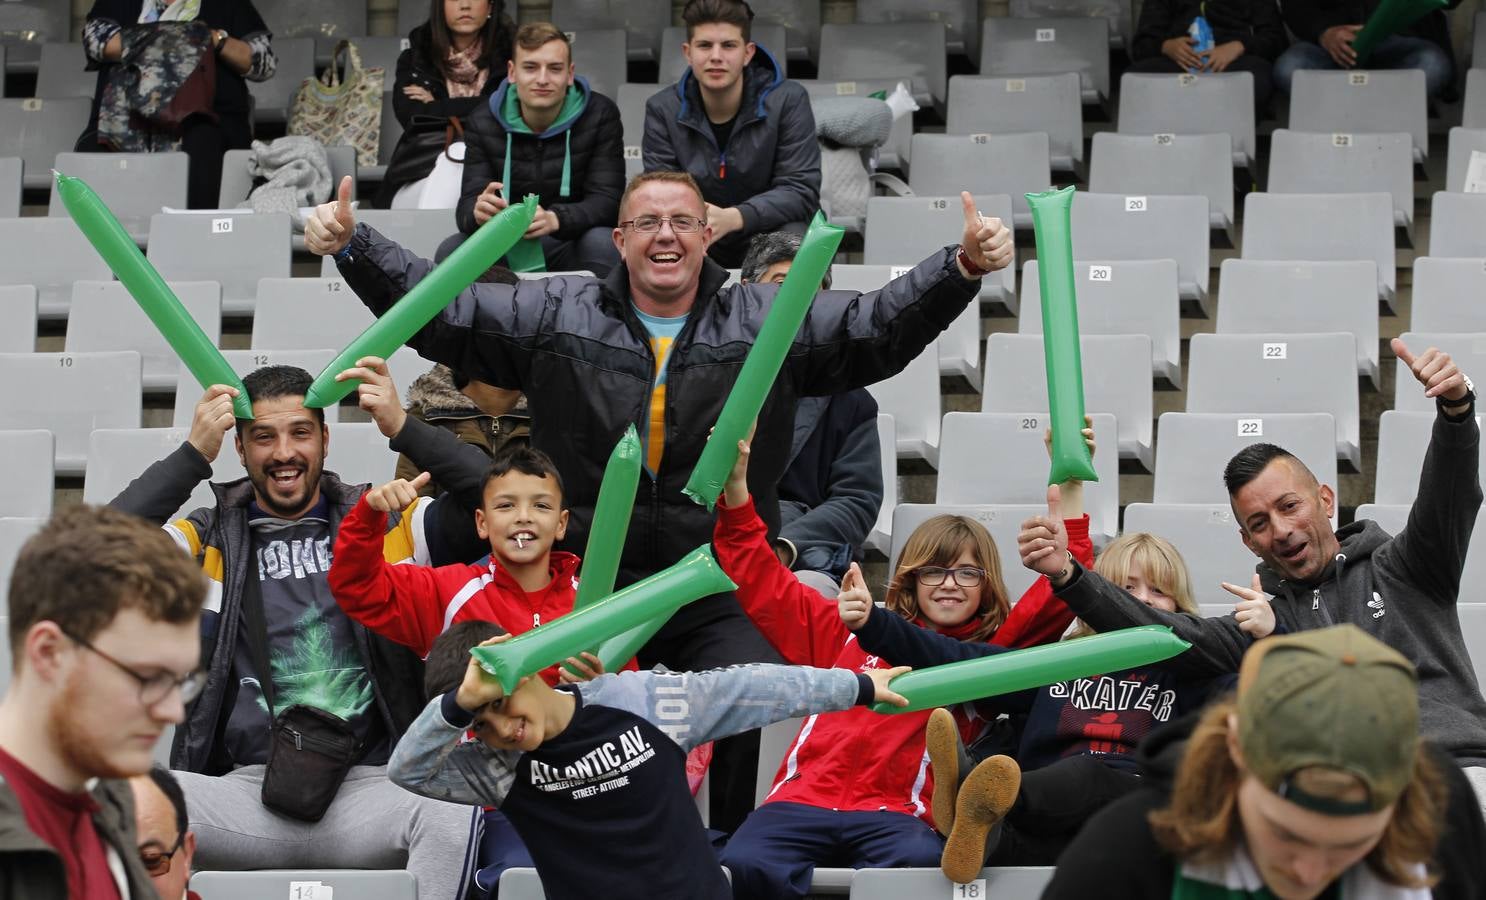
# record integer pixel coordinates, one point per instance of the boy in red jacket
(523, 584)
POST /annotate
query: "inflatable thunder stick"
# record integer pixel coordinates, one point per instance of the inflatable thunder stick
(426, 300)
(610, 525)
(695, 576)
(1051, 215)
(1021, 670)
(764, 360)
(1390, 17)
(144, 284)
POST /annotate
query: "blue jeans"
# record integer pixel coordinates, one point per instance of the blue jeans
(1394, 52)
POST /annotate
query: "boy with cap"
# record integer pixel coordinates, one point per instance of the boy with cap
(1311, 782)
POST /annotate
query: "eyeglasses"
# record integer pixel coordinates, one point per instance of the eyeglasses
(157, 863)
(651, 224)
(152, 688)
(965, 576)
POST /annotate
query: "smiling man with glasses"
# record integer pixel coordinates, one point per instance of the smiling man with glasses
(104, 619)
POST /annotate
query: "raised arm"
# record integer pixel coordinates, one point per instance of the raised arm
(432, 759)
(166, 485)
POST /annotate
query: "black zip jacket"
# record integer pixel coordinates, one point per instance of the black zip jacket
(1256, 23)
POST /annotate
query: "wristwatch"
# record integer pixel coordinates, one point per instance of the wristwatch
(1466, 401)
(970, 266)
(219, 40)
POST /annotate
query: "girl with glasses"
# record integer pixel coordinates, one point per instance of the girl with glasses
(854, 788)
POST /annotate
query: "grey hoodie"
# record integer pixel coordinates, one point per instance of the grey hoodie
(1402, 590)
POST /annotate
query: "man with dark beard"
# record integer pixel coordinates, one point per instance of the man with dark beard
(103, 621)
(274, 641)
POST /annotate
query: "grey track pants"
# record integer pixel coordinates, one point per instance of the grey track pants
(373, 824)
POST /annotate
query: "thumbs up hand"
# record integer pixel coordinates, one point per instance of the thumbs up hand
(328, 230)
(987, 242)
(1043, 540)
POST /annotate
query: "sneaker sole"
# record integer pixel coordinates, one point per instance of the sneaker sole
(940, 738)
(985, 798)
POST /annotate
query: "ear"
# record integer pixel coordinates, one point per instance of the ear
(619, 241)
(188, 848)
(237, 441)
(511, 70)
(44, 649)
(748, 50)
(1328, 499)
(1234, 751)
(324, 442)
(480, 528)
(706, 234)
(572, 70)
(1243, 534)
(562, 525)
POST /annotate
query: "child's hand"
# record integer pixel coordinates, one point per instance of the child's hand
(1088, 433)
(1253, 612)
(735, 489)
(588, 668)
(880, 679)
(398, 493)
(854, 603)
(479, 686)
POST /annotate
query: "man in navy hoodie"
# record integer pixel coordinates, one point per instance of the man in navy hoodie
(545, 132)
(739, 128)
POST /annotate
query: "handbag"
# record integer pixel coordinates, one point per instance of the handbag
(310, 751)
(335, 111)
(426, 139)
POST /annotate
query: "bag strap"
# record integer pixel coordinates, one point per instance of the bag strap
(454, 131)
(257, 634)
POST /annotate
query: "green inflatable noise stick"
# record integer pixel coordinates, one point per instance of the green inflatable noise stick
(426, 300)
(764, 361)
(1035, 667)
(610, 525)
(1051, 221)
(149, 290)
(1391, 17)
(695, 576)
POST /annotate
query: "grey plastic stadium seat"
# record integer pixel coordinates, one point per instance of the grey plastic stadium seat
(1010, 883)
(1014, 47)
(1003, 521)
(105, 317)
(419, 231)
(1000, 105)
(599, 56)
(359, 454)
(70, 394)
(391, 133)
(2, 70)
(1463, 141)
(1456, 224)
(908, 229)
(907, 50)
(410, 14)
(405, 365)
(1117, 226)
(27, 24)
(1133, 164)
(524, 884)
(1278, 373)
(13, 533)
(134, 185)
(999, 458)
(1448, 294)
(29, 454)
(1403, 437)
(327, 21)
(1473, 111)
(237, 183)
(1195, 447)
(117, 456)
(49, 254)
(673, 62)
(307, 313)
(1358, 102)
(1207, 538)
(631, 99)
(10, 187)
(912, 398)
(887, 441)
(17, 318)
(1267, 296)
(37, 130)
(63, 72)
(1478, 40)
(188, 392)
(1312, 163)
(235, 249)
(862, 278)
(1467, 349)
(1117, 380)
(773, 743)
(895, 153)
(360, 884)
(296, 62)
(1472, 598)
(381, 52)
(1116, 12)
(1011, 164)
(801, 23)
(643, 21)
(1137, 296)
(1323, 227)
(961, 19)
(1153, 104)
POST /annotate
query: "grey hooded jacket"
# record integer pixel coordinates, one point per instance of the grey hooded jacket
(1402, 590)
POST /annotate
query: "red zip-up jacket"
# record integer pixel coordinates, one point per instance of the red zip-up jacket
(856, 760)
(413, 604)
